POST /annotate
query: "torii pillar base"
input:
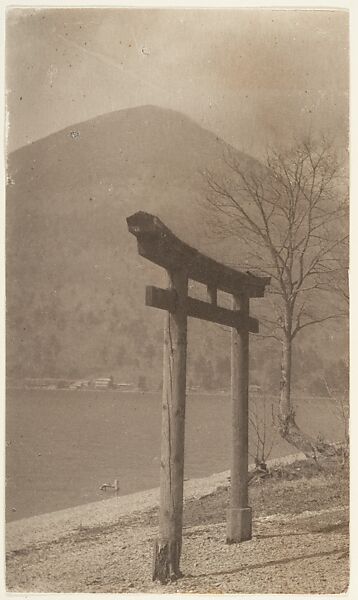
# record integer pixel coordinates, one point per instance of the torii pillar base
(239, 525)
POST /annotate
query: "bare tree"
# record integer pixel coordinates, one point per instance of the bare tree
(264, 440)
(342, 412)
(289, 220)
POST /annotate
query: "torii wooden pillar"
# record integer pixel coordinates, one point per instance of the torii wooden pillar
(182, 262)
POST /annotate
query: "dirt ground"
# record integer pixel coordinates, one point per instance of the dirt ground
(300, 544)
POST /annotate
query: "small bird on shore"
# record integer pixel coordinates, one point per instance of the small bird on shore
(114, 486)
(104, 486)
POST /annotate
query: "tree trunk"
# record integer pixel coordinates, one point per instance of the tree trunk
(286, 412)
(287, 425)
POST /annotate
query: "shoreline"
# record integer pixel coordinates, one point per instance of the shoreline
(299, 546)
(48, 527)
(226, 393)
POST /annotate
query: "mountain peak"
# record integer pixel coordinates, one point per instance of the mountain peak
(67, 240)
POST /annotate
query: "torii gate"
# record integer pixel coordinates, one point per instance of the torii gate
(182, 262)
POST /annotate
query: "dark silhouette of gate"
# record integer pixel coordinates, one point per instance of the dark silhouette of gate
(182, 262)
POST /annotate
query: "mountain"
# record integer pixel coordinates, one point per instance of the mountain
(75, 282)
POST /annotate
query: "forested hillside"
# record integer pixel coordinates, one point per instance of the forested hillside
(75, 283)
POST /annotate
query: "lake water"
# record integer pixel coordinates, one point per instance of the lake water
(63, 445)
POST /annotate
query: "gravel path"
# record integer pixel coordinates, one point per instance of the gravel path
(298, 545)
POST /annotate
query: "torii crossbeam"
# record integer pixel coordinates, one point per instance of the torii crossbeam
(182, 262)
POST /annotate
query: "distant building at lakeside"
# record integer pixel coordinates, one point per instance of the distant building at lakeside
(50, 383)
(104, 383)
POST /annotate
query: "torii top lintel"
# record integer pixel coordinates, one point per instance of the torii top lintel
(160, 245)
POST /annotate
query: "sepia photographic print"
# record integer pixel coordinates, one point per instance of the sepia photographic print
(177, 302)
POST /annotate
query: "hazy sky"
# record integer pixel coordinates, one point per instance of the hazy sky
(254, 77)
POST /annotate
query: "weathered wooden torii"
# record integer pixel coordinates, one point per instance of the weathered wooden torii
(182, 262)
